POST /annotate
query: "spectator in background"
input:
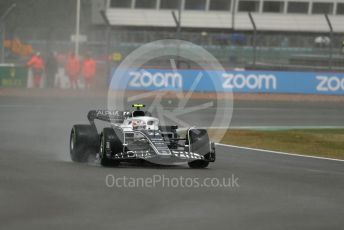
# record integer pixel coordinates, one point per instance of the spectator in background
(51, 69)
(72, 69)
(88, 71)
(36, 64)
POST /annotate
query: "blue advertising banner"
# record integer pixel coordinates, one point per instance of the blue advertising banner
(235, 81)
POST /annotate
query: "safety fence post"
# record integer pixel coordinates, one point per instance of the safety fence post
(254, 42)
(330, 61)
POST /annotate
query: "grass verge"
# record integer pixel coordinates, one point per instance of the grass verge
(314, 142)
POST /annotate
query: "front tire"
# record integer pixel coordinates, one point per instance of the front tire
(108, 143)
(199, 143)
(198, 164)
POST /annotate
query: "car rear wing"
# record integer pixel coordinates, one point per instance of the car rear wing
(113, 116)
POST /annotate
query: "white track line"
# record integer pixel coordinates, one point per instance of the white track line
(279, 152)
(274, 127)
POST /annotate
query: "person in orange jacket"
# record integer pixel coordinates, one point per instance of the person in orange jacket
(72, 69)
(88, 70)
(36, 63)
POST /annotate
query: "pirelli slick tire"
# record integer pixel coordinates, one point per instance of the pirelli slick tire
(84, 141)
(198, 164)
(199, 143)
(115, 146)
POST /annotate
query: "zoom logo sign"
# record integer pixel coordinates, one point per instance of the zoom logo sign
(333, 83)
(251, 81)
(145, 79)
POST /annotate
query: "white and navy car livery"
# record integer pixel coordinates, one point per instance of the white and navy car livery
(138, 136)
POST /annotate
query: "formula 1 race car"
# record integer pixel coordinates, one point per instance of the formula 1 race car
(136, 135)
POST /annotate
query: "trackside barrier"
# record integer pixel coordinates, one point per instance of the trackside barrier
(329, 83)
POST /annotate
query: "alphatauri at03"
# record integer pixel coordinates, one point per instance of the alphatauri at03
(137, 136)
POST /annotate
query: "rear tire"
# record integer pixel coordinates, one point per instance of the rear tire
(83, 142)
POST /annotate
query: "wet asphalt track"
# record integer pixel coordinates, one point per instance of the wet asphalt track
(41, 189)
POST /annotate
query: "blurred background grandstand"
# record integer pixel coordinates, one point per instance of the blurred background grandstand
(291, 34)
